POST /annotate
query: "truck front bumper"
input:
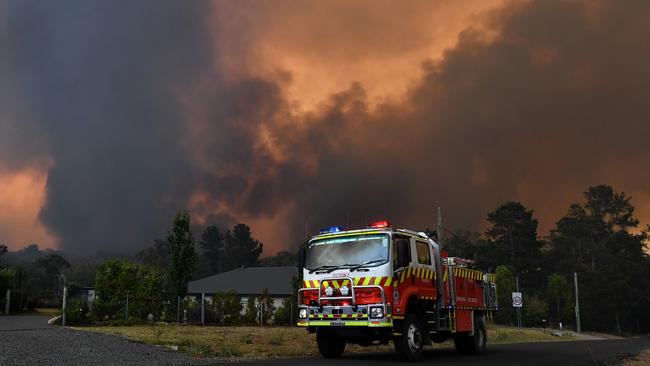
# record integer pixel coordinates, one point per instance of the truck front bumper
(344, 316)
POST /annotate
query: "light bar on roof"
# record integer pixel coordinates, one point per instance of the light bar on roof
(379, 224)
(333, 229)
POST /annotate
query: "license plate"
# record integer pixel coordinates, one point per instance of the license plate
(337, 324)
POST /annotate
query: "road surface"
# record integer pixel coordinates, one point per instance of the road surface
(579, 353)
(28, 340)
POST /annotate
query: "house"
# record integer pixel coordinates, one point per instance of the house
(247, 281)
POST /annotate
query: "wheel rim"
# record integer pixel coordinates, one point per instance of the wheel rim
(414, 338)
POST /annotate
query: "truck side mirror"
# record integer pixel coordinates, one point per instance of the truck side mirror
(403, 253)
(302, 254)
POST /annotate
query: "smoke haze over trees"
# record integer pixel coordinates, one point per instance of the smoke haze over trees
(134, 111)
(599, 239)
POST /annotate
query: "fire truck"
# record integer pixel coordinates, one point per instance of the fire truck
(378, 284)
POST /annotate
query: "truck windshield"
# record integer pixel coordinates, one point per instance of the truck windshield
(348, 251)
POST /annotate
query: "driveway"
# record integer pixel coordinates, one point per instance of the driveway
(28, 340)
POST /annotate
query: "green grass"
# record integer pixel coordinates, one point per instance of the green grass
(47, 311)
(274, 342)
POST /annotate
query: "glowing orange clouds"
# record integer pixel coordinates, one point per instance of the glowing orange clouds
(21, 197)
(328, 45)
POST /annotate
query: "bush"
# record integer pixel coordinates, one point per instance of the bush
(227, 308)
(534, 311)
(266, 307)
(283, 316)
(115, 280)
(76, 312)
(250, 316)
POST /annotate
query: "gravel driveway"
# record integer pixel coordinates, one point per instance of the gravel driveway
(28, 340)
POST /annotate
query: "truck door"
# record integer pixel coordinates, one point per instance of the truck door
(424, 270)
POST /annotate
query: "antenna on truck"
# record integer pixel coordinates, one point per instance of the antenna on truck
(439, 225)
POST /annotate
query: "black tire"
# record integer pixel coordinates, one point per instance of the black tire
(460, 342)
(330, 344)
(410, 344)
(474, 344)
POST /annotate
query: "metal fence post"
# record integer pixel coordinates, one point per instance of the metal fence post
(65, 296)
(202, 308)
(178, 310)
(126, 311)
(7, 302)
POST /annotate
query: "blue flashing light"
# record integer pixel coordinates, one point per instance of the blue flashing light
(333, 229)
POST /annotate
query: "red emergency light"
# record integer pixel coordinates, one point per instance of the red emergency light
(379, 224)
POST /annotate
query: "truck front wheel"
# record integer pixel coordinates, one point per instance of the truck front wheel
(330, 344)
(410, 343)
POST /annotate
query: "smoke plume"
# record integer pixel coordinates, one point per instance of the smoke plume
(139, 110)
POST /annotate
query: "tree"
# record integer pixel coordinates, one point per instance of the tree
(463, 244)
(266, 307)
(49, 268)
(598, 240)
(157, 255)
(228, 307)
(181, 248)
(3, 250)
(250, 315)
(213, 248)
(505, 282)
(286, 313)
(241, 248)
(281, 259)
(534, 312)
(512, 240)
(116, 279)
(558, 290)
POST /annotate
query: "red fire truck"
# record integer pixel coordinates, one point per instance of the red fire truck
(379, 284)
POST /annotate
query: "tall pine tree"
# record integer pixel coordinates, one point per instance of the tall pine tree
(181, 247)
(213, 248)
(241, 248)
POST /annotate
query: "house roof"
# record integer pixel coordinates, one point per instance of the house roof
(247, 281)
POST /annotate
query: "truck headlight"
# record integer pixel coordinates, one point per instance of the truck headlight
(302, 313)
(345, 290)
(376, 312)
(329, 291)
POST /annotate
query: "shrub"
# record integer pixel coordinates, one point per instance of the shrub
(284, 314)
(250, 316)
(115, 280)
(76, 312)
(227, 307)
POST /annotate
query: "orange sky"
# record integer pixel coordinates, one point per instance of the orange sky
(315, 49)
(21, 196)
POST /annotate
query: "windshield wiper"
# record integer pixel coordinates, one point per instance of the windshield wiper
(365, 264)
(339, 267)
(320, 268)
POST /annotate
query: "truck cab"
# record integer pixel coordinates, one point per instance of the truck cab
(379, 284)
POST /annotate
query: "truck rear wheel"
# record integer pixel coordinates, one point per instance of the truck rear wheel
(474, 344)
(410, 344)
(330, 344)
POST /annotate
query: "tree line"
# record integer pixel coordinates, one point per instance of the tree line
(599, 239)
(152, 279)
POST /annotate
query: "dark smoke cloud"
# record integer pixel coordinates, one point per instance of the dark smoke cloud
(536, 102)
(100, 78)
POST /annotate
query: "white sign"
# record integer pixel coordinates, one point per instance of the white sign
(517, 301)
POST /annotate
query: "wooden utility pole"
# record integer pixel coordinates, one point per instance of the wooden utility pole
(439, 225)
(575, 281)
